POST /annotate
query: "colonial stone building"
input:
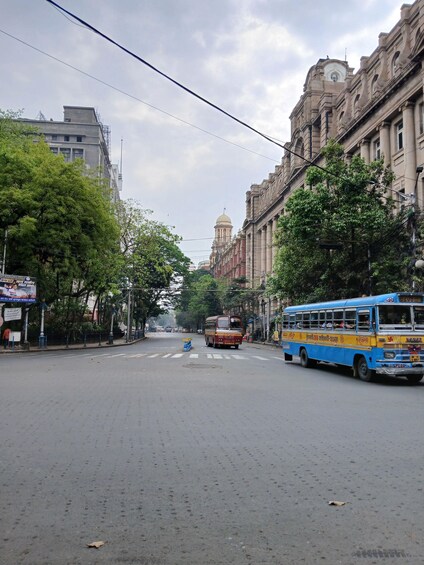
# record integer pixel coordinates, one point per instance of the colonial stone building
(81, 135)
(376, 112)
(228, 257)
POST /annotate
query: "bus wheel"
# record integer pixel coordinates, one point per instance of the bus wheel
(414, 379)
(304, 359)
(363, 371)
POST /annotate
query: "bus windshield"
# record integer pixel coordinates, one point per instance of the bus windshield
(395, 316)
(226, 323)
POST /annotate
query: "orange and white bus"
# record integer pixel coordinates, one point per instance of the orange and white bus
(223, 331)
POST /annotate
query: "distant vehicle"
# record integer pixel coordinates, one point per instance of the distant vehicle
(168, 329)
(223, 331)
(152, 329)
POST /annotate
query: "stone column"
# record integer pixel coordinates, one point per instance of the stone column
(269, 248)
(274, 247)
(385, 143)
(410, 155)
(365, 150)
(263, 252)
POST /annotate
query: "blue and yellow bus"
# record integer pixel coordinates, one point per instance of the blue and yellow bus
(374, 335)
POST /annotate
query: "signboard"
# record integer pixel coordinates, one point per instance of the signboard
(17, 288)
(12, 314)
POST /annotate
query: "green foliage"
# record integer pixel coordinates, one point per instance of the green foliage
(200, 298)
(346, 207)
(153, 263)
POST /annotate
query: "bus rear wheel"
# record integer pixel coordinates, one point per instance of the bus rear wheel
(305, 361)
(363, 371)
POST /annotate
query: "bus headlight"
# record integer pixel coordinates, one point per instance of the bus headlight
(389, 354)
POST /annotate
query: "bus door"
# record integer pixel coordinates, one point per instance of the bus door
(365, 325)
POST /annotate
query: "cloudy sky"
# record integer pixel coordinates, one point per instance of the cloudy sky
(181, 158)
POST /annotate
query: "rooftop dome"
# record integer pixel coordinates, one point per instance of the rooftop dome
(223, 219)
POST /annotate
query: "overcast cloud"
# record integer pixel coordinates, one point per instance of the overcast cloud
(249, 57)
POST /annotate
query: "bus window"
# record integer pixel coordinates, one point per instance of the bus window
(329, 319)
(306, 320)
(299, 320)
(364, 320)
(350, 319)
(314, 320)
(321, 318)
(286, 322)
(223, 323)
(419, 317)
(338, 319)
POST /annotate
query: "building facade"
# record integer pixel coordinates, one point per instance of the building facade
(377, 112)
(228, 257)
(81, 135)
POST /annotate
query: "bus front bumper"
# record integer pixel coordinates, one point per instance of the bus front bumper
(400, 369)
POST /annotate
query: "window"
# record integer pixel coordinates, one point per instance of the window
(54, 150)
(66, 138)
(395, 316)
(66, 152)
(399, 135)
(54, 137)
(364, 320)
(79, 138)
(374, 84)
(77, 154)
(395, 61)
(377, 150)
(421, 117)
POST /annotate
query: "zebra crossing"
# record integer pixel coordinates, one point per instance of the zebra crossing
(170, 356)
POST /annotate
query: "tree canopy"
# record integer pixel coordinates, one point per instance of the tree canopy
(341, 235)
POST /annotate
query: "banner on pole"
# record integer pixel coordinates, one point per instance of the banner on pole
(17, 288)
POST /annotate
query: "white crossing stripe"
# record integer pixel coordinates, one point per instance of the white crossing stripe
(167, 355)
(279, 358)
(154, 355)
(217, 356)
(177, 355)
(194, 356)
(260, 358)
(136, 356)
(239, 357)
(116, 355)
(209, 355)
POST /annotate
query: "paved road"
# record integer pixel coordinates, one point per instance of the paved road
(205, 458)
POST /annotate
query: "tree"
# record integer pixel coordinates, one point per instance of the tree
(342, 236)
(238, 299)
(59, 223)
(200, 298)
(153, 266)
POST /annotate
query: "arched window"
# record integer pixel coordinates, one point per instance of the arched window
(395, 63)
(374, 84)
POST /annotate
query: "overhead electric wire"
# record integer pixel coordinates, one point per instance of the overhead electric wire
(185, 88)
(135, 97)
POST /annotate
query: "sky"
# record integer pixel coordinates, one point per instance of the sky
(181, 158)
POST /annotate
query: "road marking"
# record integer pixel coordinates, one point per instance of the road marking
(194, 356)
(209, 355)
(260, 358)
(136, 356)
(154, 355)
(239, 357)
(116, 355)
(177, 355)
(167, 355)
(279, 358)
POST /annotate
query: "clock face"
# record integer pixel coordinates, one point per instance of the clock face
(336, 72)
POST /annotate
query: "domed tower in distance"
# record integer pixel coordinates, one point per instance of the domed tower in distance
(223, 234)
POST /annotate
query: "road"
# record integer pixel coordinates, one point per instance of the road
(206, 457)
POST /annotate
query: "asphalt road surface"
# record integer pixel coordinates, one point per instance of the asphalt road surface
(207, 457)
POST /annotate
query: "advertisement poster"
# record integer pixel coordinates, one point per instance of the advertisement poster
(17, 288)
(12, 314)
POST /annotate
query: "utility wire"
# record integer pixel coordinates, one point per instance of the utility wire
(134, 97)
(185, 88)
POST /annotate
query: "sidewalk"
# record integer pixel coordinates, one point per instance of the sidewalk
(104, 345)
